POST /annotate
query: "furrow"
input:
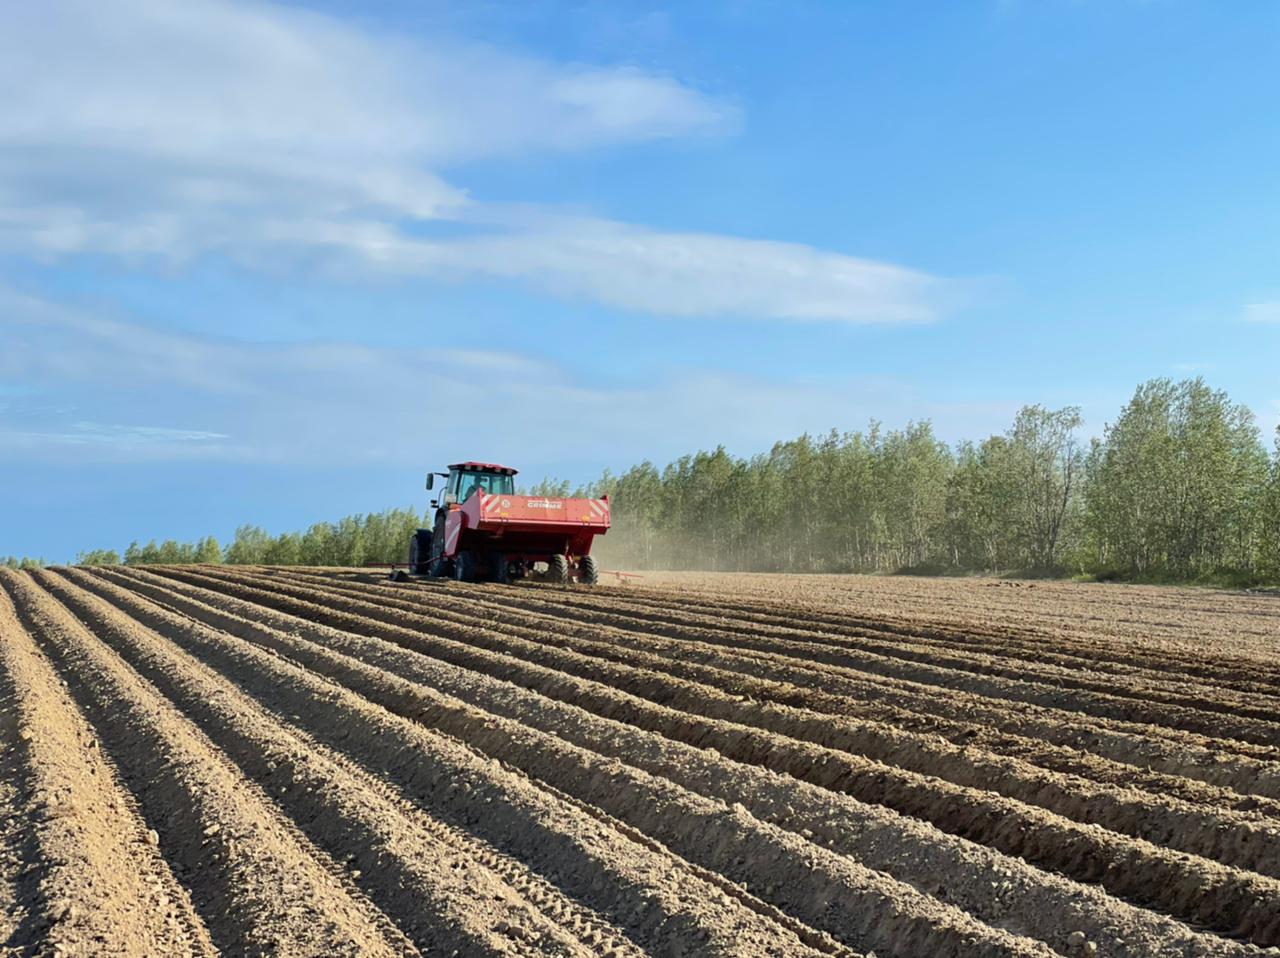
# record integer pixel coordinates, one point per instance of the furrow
(19, 848)
(89, 880)
(1124, 613)
(421, 874)
(1230, 838)
(803, 878)
(1033, 645)
(962, 653)
(792, 681)
(1246, 769)
(1191, 710)
(1228, 635)
(258, 888)
(996, 888)
(1118, 612)
(1187, 754)
(662, 903)
(1171, 882)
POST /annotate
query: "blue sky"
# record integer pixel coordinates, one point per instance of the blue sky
(271, 263)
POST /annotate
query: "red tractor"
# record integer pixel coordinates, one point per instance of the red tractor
(484, 530)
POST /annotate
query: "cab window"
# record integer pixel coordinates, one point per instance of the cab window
(492, 483)
(500, 484)
(466, 485)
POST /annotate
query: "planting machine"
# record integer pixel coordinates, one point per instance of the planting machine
(484, 530)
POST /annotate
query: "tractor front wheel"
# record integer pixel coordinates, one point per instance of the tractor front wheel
(464, 567)
(588, 572)
(420, 552)
(558, 569)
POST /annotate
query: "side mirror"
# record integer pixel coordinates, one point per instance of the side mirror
(431, 480)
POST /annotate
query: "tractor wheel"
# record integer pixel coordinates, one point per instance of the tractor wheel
(501, 569)
(464, 567)
(558, 569)
(588, 572)
(420, 552)
(440, 566)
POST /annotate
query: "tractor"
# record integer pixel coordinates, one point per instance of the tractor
(484, 530)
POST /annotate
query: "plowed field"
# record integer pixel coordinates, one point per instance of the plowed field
(241, 761)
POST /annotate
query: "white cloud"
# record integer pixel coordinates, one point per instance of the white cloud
(111, 434)
(679, 274)
(1262, 312)
(320, 403)
(151, 130)
(268, 86)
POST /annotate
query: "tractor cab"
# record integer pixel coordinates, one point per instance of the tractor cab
(484, 530)
(464, 478)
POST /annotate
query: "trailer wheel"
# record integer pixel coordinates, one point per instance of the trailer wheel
(420, 552)
(440, 568)
(501, 569)
(464, 567)
(588, 572)
(558, 569)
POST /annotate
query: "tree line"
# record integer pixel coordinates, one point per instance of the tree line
(23, 562)
(1180, 487)
(351, 541)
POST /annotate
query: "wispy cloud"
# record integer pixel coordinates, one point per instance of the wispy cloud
(1268, 312)
(284, 139)
(317, 403)
(676, 274)
(110, 434)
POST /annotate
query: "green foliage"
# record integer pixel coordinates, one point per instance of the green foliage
(1179, 488)
(25, 562)
(870, 501)
(169, 552)
(378, 537)
(98, 557)
(553, 488)
(1269, 519)
(249, 547)
(1012, 499)
(208, 551)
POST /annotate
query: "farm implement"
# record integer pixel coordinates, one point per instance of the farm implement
(484, 530)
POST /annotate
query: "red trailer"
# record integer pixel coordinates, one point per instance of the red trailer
(484, 530)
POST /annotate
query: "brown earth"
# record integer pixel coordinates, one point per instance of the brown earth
(246, 761)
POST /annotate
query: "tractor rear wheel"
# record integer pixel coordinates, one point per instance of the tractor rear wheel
(558, 569)
(420, 552)
(588, 571)
(464, 567)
